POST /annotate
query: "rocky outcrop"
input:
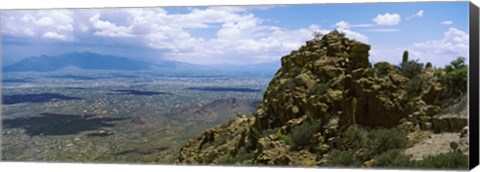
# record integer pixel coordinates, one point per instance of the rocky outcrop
(455, 118)
(328, 82)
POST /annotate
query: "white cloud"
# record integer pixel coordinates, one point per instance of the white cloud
(387, 19)
(447, 22)
(384, 30)
(106, 28)
(439, 52)
(26, 23)
(240, 37)
(345, 25)
(45, 21)
(454, 43)
(207, 36)
(342, 25)
(354, 35)
(362, 25)
(54, 35)
(418, 14)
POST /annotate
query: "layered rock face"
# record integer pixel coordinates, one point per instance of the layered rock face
(331, 77)
(330, 83)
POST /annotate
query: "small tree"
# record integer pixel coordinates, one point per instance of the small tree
(317, 35)
(428, 65)
(411, 68)
(455, 76)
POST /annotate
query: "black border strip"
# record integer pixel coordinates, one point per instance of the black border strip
(473, 87)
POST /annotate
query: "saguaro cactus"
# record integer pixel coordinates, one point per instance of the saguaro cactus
(405, 57)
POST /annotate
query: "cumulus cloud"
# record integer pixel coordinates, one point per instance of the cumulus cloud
(387, 19)
(106, 28)
(454, 43)
(51, 24)
(446, 22)
(206, 36)
(344, 27)
(354, 35)
(238, 35)
(418, 14)
(439, 52)
(54, 35)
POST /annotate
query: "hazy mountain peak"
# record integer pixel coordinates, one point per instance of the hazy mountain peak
(78, 60)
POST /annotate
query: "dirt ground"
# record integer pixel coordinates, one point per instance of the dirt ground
(426, 143)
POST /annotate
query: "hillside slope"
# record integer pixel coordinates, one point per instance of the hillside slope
(324, 96)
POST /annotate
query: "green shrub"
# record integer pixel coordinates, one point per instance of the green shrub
(286, 138)
(344, 158)
(254, 133)
(355, 137)
(416, 85)
(392, 158)
(381, 140)
(227, 160)
(383, 68)
(302, 135)
(452, 160)
(239, 159)
(428, 65)
(208, 158)
(411, 68)
(455, 76)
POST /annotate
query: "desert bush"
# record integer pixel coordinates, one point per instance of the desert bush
(411, 68)
(383, 67)
(416, 85)
(242, 158)
(343, 158)
(428, 65)
(355, 137)
(286, 138)
(455, 76)
(392, 158)
(302, 134)
(381, 140)
(451, 160)
(208, 158)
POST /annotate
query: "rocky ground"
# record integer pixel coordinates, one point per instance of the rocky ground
(435, 144)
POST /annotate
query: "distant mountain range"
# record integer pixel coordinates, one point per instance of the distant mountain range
(94, 61)
(84, 60)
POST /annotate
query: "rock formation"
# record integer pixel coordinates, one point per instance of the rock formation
(321, 89)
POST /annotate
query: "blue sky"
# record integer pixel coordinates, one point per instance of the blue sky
(431, 31)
